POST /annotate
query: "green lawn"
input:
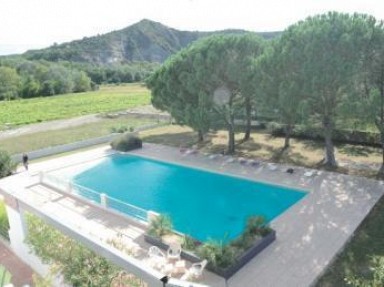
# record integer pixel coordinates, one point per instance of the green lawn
(107, 99)
(30, 142)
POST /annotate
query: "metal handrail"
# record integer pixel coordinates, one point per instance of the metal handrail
(99, 198)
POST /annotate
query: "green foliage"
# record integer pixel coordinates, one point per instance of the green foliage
(122, 129)
(7, 166)
(160, 226)
(189, 243)
(356, 259)
(126, 142)
(224, 255)
(184, 86)
(38, 140)
(218, 254)
(40, 78)
(4, 224)
(9, 83)
(256, 226)
(78, 265)
(5, 276)
(43, 281)
(376, 276)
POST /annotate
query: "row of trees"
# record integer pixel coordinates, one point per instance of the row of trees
(20, 78)
(27, 79)
(118, 73)
(320, 72)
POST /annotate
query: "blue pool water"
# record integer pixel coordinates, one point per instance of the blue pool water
(202, 204)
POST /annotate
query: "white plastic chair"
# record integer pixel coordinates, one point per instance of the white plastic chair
(195, 271)
(174, 251)
(157, 258)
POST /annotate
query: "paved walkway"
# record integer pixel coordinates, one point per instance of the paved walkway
(309, 234)
(21, 273)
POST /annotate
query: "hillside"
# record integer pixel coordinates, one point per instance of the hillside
(146, 40)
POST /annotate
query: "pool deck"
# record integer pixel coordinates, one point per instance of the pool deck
(309, 234)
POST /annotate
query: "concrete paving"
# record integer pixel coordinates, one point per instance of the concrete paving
(309, 234)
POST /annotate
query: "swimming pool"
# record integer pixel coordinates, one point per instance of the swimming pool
(201, 204)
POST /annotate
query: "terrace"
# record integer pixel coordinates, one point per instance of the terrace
(309, 234)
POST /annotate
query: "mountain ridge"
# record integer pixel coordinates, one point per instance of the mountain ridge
(144, 41)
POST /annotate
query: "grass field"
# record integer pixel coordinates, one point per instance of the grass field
(106, 99)
(30, 142)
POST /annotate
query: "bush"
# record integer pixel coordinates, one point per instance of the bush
(119, 129)
(4, 224)
(7, 166)
(126, 142)
(122, 129)
(189, 243)
(256, 226)
(219, 255)
(160, 226)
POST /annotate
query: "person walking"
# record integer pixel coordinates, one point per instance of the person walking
(25, 161)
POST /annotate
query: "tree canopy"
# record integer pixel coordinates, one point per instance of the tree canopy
(185, 85)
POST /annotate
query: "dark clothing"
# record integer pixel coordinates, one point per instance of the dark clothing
(25, 161)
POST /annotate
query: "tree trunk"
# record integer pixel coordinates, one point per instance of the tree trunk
(200, 136)
(288, 131)
(231, 139)
(329, 160)
(380, 125)
(381, 170)
(248, 112)
(231, 134)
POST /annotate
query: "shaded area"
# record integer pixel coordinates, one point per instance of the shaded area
(353, 159)
(353, 150)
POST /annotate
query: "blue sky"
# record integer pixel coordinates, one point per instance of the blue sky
(33, 24)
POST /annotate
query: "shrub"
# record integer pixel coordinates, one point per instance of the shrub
(4, 224)
(160, 226)
(119, 129)
(256, 226)
(7, 166)
(126, 142)
(189, 243)
(219, 255)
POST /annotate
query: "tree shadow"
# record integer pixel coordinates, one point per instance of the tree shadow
(312, 145)
(352, 150)
(285, 155)
(185, 139)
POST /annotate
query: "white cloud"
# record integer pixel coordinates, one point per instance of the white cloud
(39, 23)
